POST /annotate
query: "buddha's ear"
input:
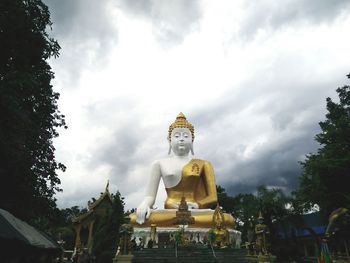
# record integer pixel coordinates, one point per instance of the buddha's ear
(192, 152)
(169, 152)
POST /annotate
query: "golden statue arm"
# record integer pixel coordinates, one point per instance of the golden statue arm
(209, 180)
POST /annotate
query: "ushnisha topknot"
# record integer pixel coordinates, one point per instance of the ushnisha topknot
(181, 122)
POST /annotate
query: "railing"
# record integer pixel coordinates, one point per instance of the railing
(212, 249)
(176, 251)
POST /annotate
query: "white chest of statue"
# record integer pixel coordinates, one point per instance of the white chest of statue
(171, 170)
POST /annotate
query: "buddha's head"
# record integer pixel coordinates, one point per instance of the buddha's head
(181, 136)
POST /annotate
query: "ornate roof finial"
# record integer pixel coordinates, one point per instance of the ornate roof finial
(107, 186)
(181, 122)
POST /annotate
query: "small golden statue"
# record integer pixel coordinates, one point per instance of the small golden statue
(222, 237)
(183, 215)
(261, 232)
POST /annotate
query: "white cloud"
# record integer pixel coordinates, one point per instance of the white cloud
(252, 79)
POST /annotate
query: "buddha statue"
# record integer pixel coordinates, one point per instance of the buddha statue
(184, 178)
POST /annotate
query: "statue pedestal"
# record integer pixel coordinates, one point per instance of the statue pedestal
(123, 258)
(164, 235)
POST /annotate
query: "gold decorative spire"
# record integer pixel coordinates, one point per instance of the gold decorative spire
(181, 122)
(183, 215)
(107, 186)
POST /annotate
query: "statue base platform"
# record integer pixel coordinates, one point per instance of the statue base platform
(164, 236)
(167, 218)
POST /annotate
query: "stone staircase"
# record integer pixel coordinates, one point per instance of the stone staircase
(189, 255)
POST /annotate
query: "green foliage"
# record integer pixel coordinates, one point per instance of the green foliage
(179, 238)
(106, 231)
(66, 215)
(278, 211)
(60, 225)
(29, 116)
(246, 207)
(326, 173)
(273, 204)
(225, 201)
(67, 234)
(211, 236)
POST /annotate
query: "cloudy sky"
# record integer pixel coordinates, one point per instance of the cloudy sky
(252, 76)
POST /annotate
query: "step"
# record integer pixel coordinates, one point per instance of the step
(189, 255)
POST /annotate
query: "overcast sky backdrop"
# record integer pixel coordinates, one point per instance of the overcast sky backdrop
(252, 76)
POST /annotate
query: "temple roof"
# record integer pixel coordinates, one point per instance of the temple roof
(82, 217)
(91, 206)
(104, 195)
(12, 228)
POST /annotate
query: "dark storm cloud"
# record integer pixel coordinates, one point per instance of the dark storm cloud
(277, 166)
(120, 152)
(171, 20)
(274, 15)
(85, 31)
(287, 107)
(276, 163)
(81, 19)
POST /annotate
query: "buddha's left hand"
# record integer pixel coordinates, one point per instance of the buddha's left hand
(191, 205)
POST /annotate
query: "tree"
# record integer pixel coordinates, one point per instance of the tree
(29, 116)
(60, 225)
(106, 237)
(244, 207)
(272, 203)
(226, 202)
(326, 173)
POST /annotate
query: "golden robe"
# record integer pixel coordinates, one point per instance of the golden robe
(197, 185)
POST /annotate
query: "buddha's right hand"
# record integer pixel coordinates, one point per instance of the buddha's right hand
(143, 212)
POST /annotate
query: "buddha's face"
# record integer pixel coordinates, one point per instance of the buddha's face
(181, 141)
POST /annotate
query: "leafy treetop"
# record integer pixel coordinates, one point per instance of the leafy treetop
(29, 116)
(326, 173)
